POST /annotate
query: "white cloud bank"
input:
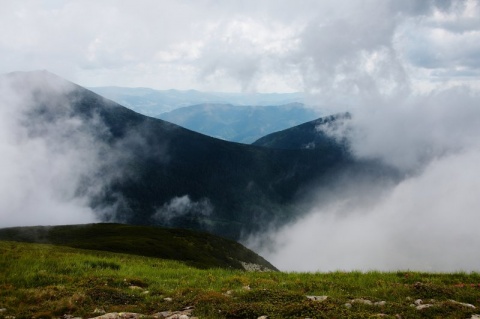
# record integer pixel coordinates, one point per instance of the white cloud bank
(271, 45)
(429, 221)
(52, 163)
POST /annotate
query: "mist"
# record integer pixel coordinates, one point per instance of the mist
(427, 221)
(52, 163)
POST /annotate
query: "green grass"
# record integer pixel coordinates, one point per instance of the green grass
(43, 281)
(195, 248)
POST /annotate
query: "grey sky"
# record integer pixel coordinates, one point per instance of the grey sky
(313, 46)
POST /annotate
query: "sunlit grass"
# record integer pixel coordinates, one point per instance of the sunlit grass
(43, 281)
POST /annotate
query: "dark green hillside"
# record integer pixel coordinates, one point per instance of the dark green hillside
(194, 248)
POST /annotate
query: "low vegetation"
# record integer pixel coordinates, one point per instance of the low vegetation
(197, 249)
(44, 281)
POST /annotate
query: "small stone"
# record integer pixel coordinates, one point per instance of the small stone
(247, 287)
(348, 305)
(135, 287)
(380, 303)
(99, 310)
(111, 315)
(425, 306)
(146, 292)
(3, 310)
(317, 298)
(183, 317)
(361, 300)
(262, 317)
(168, 299)
(463, 304)
(163, 314)
(398, 316)
(418, 302)
(475, 317)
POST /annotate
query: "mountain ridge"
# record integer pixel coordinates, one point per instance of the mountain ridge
(157, 173)
(243, 124)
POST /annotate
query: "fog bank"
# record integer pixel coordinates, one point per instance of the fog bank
(427, 222)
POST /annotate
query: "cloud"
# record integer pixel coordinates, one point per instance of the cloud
(53, 161)
(183, 206)
(329, 46)
(427, 221)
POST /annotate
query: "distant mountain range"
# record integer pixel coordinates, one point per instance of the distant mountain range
(152, 102)
(172, 176)
(243, 124)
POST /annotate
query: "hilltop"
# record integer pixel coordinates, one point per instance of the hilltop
(194, 248)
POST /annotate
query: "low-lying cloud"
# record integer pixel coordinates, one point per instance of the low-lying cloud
(182, 206)
(428, 221)
(52, 163)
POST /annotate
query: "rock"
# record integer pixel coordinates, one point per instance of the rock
(348, 305)
(418, 302)
(168, 299)
(99, 310)
(183, 317)
(146, 292)
(262, 317)
(163, 314)
(130, 315)
(475, 317)
(463, 304)
(3, 310)
(361, 300)
(135, 287)
(317, 298)
(247, 287)
(111, 315)
(251, 267)
(425, 306)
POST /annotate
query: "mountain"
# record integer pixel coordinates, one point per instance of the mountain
(309, 135)
(153, 102)
(243, 124)
(135, 169)
(196, 249)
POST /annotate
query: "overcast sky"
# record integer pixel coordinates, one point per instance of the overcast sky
(328, 47)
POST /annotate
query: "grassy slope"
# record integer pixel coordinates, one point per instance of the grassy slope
(42, 281)
(196, 249)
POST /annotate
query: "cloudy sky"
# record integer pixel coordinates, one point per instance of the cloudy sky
(374, 46)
